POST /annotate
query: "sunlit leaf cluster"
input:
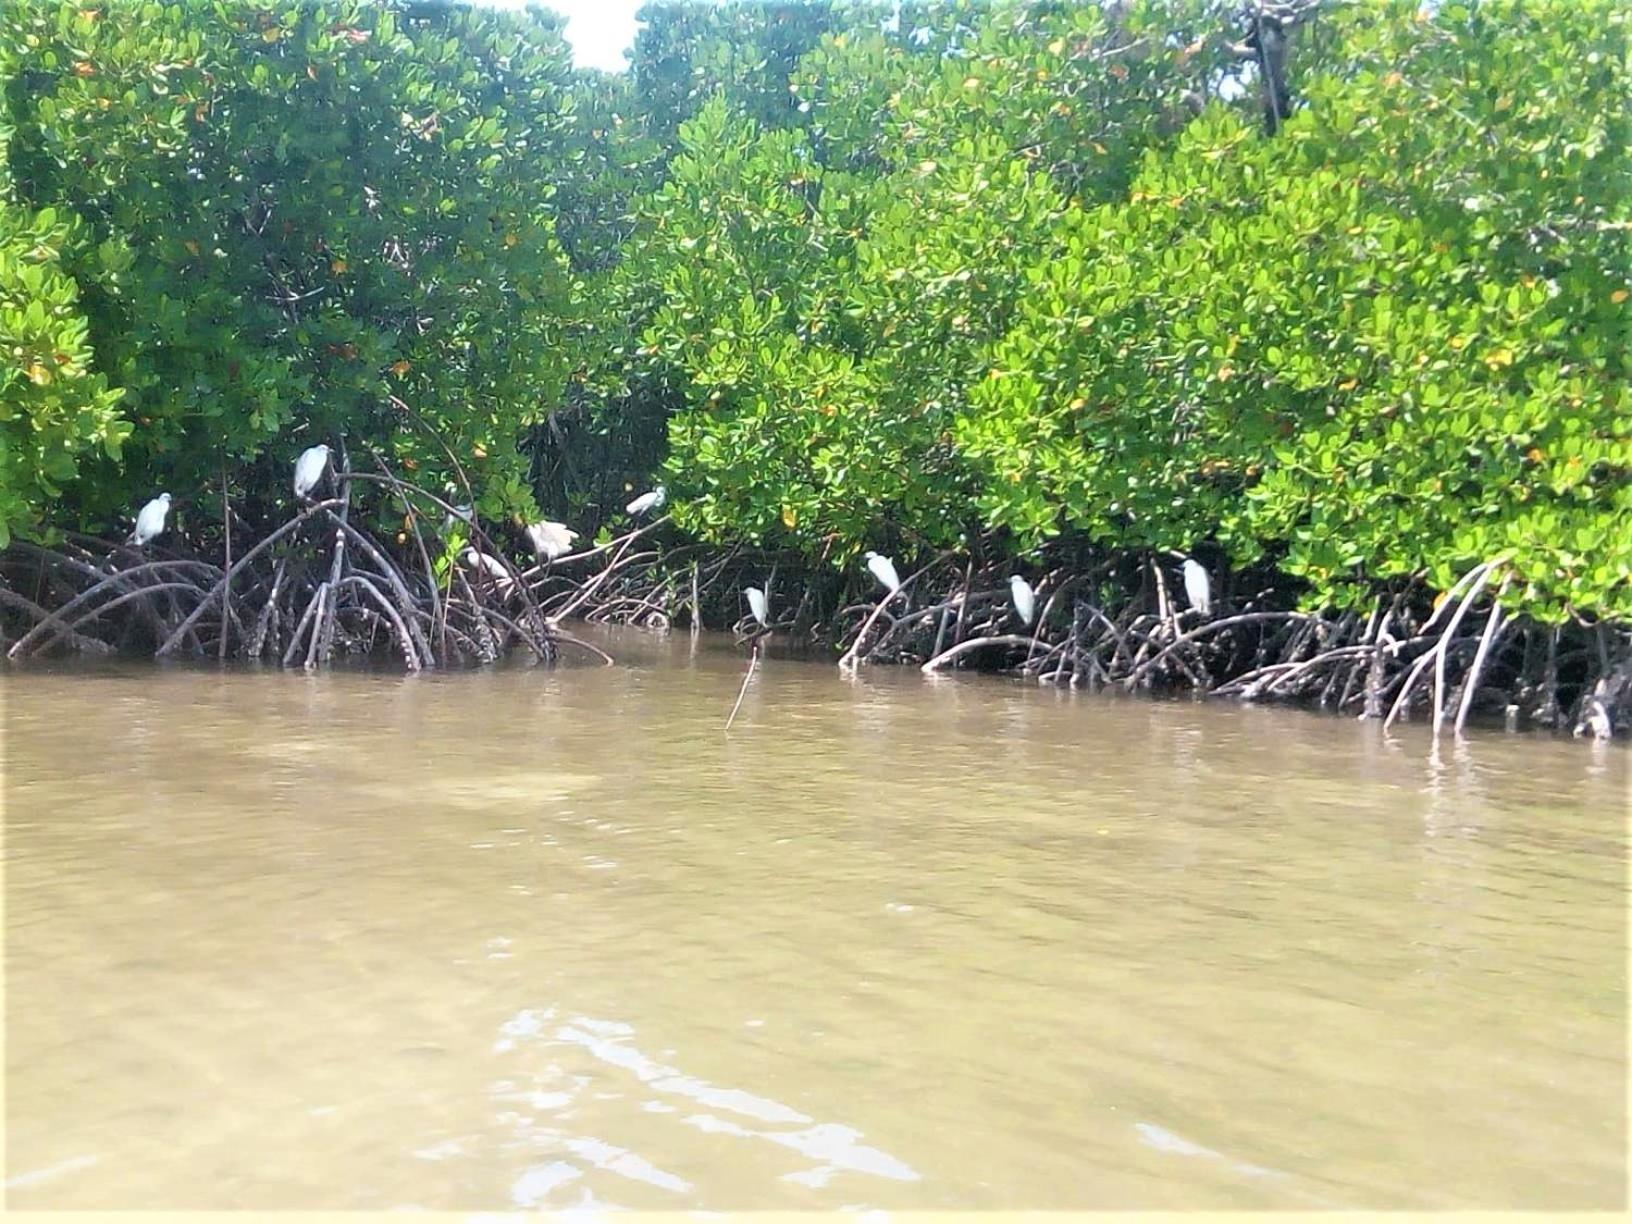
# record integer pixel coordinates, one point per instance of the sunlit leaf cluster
(932, 275)
(289, 220)
(1041, 271)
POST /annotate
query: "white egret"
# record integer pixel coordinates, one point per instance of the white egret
(150, 522)
(1025, 599)
(1197, 587)
(459, 513)
(884, 570)
(309, 469)
(491, 566)
(757, 605)
(1595, 719)
(648, 501)
(550, 540)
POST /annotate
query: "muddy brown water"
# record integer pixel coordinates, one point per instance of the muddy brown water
(547, 938)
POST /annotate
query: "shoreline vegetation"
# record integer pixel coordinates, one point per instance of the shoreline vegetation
(1330, 297)
(332, 589)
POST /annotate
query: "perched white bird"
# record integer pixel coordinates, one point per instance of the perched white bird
(1197, 588)
(648, 501)
(150, 522)
(1596, 719)
(550, 540)
(757, 605)
(309, 469)
(884, 570)
(1025, 599)
(459, 514)
(491, 566)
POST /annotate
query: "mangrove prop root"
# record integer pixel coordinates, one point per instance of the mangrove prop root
(1379, 662)
(980, 643)
(309, 596)
(303, 596)
(1470, 684)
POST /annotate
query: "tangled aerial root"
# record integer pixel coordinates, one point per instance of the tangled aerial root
(1450, 661)
(317, 585)
(320, 584)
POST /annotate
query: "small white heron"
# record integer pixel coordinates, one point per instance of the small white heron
(489, 565)
(1197, 587)
(150, 522)
(309, 469)
(757, 605)
(883, 569)
(550, 540)
(648, 501)
(1595, 719)
(1025, 599)
(459, 513)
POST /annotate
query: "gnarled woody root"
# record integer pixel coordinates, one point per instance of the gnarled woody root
(317, 586)
(320, 584)
(1095, 627)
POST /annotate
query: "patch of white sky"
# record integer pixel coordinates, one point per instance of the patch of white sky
(599, 31)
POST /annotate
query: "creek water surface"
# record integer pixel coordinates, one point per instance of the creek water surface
(532, 937)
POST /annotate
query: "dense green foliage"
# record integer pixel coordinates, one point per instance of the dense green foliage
(287, 215)
(1385, 340)
(998, 273)
(53, 407)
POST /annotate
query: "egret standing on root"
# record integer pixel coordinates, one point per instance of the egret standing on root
(492, 567)
(309, 469)
(883, 569)
(1197, 587)
(150, 522)
(648, 501)
(459, 514)
(1025, 599)
(550, 540)
(758, 605)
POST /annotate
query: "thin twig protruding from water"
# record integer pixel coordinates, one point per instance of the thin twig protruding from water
(753, 662)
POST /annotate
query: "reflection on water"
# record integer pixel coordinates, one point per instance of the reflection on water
(550, 1094)
(549, 938)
